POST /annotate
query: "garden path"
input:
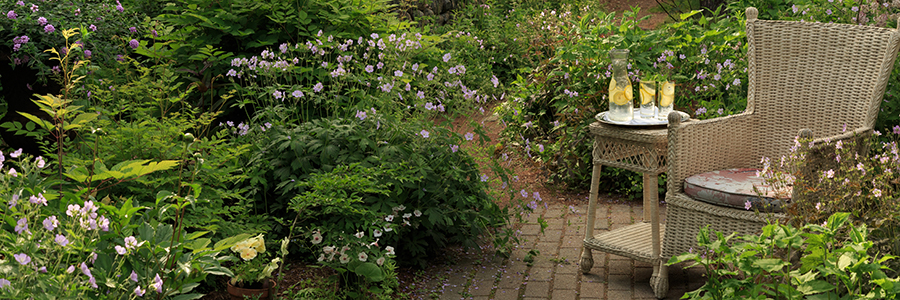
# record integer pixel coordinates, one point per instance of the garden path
(555, 271)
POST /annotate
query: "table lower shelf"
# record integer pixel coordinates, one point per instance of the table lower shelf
(633, 241)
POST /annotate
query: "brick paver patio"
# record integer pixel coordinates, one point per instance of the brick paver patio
(554, 273)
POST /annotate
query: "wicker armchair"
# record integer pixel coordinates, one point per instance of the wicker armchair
(802, 76)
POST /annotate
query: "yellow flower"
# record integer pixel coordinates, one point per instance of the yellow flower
(248, 253)
(258, 243)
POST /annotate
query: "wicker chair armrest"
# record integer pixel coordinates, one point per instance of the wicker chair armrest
(707, 145)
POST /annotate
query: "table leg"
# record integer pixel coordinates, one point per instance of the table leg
(659, 281)
(587, 259)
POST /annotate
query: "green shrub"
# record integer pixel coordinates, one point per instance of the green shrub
(812, 262)
(858, 175)
(417, 162)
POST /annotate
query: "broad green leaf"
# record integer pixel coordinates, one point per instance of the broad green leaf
(844, 261)
(815, 287)
(686, 15)
(188, 296)
(770, 264)
(44, 124)
(370, 271)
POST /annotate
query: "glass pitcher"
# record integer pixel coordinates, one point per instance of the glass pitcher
(621, 94)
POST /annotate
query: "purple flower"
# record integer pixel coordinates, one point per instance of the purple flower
(398, 73)
(21, 226)
(134, 44)
(50, 223)
(447, 57)
(424, 133)
(138, 292)
(896, 129)
(370, 68)
(297, 94)
(93, 282)
(87, 53)
(22, 258)
(484, 178)
(134, 276)
(524, 193)
(61, 240)
(120, 8)
(16, 153)
(42, 269)
(454, 148)
(94, 27)
(34, 8)
(700, 111)
(537, 196)
(876, 193)
(4, 283)
(49, 28)
(278, 94)
(469, 136)
(747, 205)
(121, 250)
(132, 29)
(318, 87)
(42, 21)
(85, 270)
(361, 115)
(20, 3)
(157, 284)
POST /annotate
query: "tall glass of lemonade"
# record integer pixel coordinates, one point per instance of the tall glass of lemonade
(621, 94)
(666, 99)
(648, 99)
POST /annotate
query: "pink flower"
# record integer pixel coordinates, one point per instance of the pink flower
(747, 205)
(49, 28)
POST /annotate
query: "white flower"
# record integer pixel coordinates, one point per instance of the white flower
(390, 250)
(321, 257)
(389, 218)
(417, 213)
(362, 256)
(380, 261)
(377, 233)
(316, 238)
(360, 234)
(328, 249)
(344, 259)
(407, 215)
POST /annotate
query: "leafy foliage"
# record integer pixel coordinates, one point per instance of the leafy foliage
(414, 161)
(812, 262)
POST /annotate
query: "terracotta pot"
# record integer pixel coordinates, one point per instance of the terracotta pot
(244, 293)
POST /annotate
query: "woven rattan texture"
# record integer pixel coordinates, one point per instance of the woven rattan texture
(802, 75)
(635, 149)
(633, 241)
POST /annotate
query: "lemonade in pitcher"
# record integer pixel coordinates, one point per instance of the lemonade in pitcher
(666, 100)
(621, 94)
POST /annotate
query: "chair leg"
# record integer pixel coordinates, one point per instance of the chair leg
(587, 260)
(660, 280)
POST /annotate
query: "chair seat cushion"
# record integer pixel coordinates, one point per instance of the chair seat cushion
(733, 188)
